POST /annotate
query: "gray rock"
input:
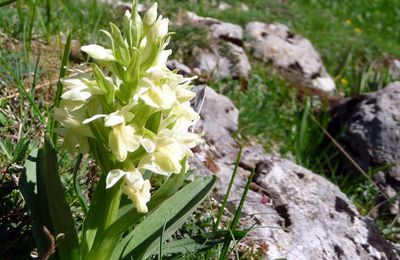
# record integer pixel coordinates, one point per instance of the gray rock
(298, 214)
(219, 118)
(394, 68)
(372, 134)
(293, 55)
(182, 68)
(224, 56)
(210, 62)
(224, 6)
(243, 7)
(220, 30)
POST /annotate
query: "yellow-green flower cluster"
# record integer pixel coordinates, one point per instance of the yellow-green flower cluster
(132, 104)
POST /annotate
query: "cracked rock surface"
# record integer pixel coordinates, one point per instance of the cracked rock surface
(372, 135)
(299, 214)
(224, 56)
(294, 56)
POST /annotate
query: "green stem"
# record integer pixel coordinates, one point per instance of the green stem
(104, 207)
(104, 246)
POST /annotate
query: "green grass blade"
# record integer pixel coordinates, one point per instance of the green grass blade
(67, 49)
(236, 218)
(221, 211)
(77, 188)
(160, 252)
(21, 89)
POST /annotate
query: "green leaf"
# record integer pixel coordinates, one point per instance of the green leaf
(143, 241)
(119, 46)
(127, 215)
(54, 124)
(39, 211)
(51, 190)
(105, 84)
(221, 210)
(44, 194)
(133, 69)
(21, 149)
(6, 149)
(235, 221)
(199, 242)
(77, 187)
(153, 123)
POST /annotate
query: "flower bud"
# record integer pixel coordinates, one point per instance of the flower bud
(150, 16)
(98, 52)
(159, 29)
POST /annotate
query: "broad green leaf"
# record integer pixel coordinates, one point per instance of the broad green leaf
(143, 241)
(44, 195)
(39, 210)
(199, 242)
(153, 123)
(127, 215)
(51, 190)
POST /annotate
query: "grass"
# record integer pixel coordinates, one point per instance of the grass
(350, 35)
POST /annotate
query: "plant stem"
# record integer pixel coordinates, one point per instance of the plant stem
(105, 204)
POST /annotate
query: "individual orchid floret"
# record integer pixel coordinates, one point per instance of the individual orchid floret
(159, 29)
(76, 90)
(134, 186)
(98, 52)
(75, 132)
(169, 152)
(151, 16)
(123, 139)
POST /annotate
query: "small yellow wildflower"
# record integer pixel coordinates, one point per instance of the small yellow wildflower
(344, 82)
(357, 30)
(348, 22)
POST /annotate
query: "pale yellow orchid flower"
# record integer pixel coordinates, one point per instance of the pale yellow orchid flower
(134, 186)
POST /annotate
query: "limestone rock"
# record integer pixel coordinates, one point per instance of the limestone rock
(372, 134)
(219, 118)
(182, 68)
(299, 214)
(224, 55)
(224, 6)
(293, 55)
(394, 68)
